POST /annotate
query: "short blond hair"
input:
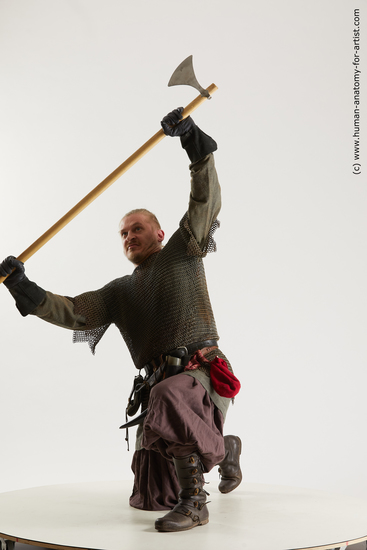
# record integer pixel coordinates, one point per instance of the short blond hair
(153, 218)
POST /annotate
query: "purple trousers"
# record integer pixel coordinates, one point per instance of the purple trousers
(181, 420)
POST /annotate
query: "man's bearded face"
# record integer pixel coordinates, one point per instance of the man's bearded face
(140, 237)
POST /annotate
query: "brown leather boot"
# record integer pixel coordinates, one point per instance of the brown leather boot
(229, 468)
(191, 509)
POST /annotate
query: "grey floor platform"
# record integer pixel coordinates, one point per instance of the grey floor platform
(254, 517)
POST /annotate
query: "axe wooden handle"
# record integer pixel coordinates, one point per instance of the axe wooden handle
(98, 190)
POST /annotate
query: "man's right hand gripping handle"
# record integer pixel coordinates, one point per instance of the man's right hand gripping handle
(14, 270)
(27, 295)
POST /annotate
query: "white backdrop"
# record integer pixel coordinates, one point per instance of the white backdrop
(83, 85)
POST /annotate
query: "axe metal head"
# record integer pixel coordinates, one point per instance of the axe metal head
(184, 74)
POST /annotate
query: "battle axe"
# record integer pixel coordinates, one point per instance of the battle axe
(184, 74)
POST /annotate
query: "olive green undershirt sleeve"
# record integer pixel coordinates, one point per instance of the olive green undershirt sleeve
(59, 310)
(205, 197)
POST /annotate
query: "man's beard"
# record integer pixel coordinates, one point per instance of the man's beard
(135, 256)
(139, 255)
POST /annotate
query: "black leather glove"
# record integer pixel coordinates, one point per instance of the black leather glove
(174, 126)
(6, 268)
(196, 143)
(27, 295)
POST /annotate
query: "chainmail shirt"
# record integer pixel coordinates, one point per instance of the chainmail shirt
(164, 304)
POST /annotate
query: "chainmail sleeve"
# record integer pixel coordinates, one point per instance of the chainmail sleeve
(98, 308)
(206, 246)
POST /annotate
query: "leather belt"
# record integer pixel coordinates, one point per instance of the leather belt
(190, 349)
(180, 352)
(171, 363)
